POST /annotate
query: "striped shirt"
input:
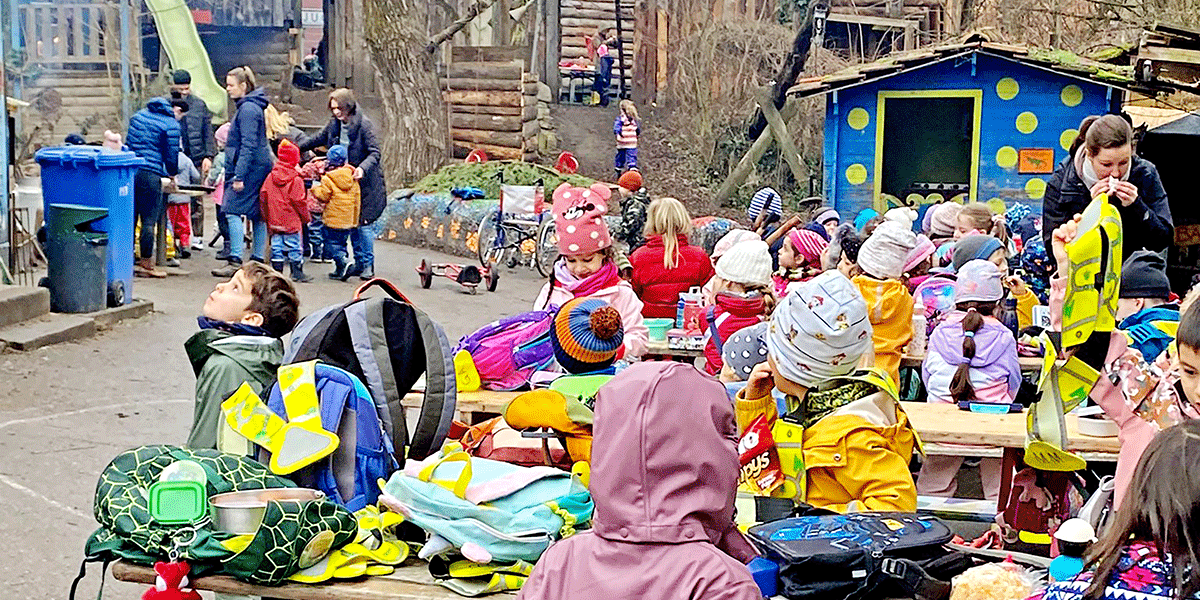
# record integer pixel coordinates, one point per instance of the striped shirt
(626, 130)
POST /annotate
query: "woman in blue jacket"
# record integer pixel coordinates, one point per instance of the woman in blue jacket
(248, 161)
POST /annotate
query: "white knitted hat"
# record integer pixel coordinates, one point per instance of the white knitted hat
(746, 262)
(884, 253)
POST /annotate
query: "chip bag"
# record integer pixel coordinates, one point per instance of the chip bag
(761, 472)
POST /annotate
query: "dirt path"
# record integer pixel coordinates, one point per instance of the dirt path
(586, 132)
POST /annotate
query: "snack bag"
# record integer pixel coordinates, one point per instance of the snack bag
(761, 472)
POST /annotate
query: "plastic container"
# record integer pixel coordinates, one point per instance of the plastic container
(77, 255)
(659, 328)
(102, 178)
(177, 502)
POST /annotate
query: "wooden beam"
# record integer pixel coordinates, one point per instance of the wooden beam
(787, 146)
(486, 122)
(744, 167)
(484, 98)
(878, 22)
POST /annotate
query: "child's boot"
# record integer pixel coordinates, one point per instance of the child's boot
(298, 272)
(277, 265)
(339, 270)
(368, 273)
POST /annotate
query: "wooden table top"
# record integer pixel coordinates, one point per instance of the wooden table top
(1029, 364)
(654, 348)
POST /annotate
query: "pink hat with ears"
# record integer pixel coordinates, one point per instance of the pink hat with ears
(579, 219)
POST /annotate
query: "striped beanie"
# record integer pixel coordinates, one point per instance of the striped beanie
(765, 199)
(586, 335)
(808, 245)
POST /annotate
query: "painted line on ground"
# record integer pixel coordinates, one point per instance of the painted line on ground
(71, 413)
(6, 480)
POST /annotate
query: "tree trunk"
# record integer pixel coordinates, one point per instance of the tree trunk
(413, 134)
(793, 65)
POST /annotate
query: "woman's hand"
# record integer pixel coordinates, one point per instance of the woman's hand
(761, 382)
(1102, 187)
(1126, 192)
(1063, 235)
(238, 186)
(358, 173)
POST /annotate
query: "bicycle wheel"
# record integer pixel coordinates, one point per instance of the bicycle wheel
(490, 246)
(547, 248)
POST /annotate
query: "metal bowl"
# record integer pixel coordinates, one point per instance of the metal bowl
(242, 512)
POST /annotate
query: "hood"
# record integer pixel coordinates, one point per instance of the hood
(257, 96)
(664, 459)
(342, 177)
(260, 355)
(161, 106)
(1165, 312)
(282, 175)
(947, 341)
(741, 306)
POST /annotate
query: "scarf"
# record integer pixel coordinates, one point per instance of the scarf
(818, 404)
(606, 277)
(234, 328)
(1087, 172)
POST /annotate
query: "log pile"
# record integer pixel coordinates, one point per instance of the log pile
(581, 19)
(492, 99)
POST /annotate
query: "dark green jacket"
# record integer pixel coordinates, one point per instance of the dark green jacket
(222, 361)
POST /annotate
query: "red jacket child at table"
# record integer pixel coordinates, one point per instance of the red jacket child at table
(285, 209)
(741, 298)
(667, 265)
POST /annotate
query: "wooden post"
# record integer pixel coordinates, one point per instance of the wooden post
(787, 146)
(752, 156)
(551, 75)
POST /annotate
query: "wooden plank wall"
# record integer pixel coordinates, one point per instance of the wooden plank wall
(246, 13)
(491, 97)
(349, 57)
(581, 19)
(65, 102)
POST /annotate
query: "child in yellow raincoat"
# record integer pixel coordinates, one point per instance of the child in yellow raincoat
(889, 303)
(844, 442)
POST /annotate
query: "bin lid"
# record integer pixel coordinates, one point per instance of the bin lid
(94, 156)
(66, 218)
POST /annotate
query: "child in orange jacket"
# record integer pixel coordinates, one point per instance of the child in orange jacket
(889, 303)
(340, 194)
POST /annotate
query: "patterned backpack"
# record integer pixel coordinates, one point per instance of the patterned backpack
(508, 352)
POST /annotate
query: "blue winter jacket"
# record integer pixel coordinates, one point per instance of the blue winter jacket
(247, 155)
(154, 137)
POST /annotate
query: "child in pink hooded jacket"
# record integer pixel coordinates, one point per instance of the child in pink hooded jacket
(664, 474)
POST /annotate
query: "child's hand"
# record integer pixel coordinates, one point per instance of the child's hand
(761, 381)
(1016, 285)
(1063, 235)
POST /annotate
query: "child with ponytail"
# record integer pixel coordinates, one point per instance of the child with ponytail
(972, 357)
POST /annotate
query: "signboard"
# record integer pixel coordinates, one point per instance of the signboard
(312, 17)
(1035, 161)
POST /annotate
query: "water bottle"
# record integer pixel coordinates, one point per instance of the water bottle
(679, 312)
(917, 346)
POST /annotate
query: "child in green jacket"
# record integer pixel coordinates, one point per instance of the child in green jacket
(239, 341)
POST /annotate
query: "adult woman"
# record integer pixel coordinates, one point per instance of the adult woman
(667, 264)
(355, 131)
(248, 161)
(1101, 161)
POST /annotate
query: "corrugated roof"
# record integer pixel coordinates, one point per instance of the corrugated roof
(1061, 61)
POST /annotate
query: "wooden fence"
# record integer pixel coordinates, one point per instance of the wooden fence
(77, 33)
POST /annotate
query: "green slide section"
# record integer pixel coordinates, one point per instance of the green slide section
(177, 33)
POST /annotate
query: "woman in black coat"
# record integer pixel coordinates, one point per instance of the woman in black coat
(248, 161)
(1102, 161)
(354, 130)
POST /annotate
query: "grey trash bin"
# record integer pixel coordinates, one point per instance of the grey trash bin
(77, 253)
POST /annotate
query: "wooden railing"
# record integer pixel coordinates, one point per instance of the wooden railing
(63, 33)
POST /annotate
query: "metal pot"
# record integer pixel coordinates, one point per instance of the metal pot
(242, 512)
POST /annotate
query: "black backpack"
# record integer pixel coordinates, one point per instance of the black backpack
(861, 556)
(387, 343)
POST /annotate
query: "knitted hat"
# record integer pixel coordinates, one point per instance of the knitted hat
(923, 250)
(222, 133)
(289, 153)
(979, 281)
(816, 228)
(631, 180)
(579, 219)
(849, 241)
(808, 244)
(748, 263)
(945, 219)
(336, 156)
(586, 335)
(181, 77)
(729, 240)
(1144, 275)
(864, 217)
(974, 247)
(765, 199)
(746, 349)
(884, 253)
(826, 214)
(820, 330)
(903, 215)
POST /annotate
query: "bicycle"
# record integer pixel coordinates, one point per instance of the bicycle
(521, 225)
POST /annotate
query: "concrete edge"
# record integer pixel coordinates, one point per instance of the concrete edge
(109, 317)
(57, 334)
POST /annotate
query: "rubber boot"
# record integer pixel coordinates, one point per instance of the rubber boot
(339, 270)
(298, 272)
(368, 273)
(229, 270)
(277, 265)
(356, 268)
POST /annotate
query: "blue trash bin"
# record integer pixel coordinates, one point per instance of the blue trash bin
(95, 176)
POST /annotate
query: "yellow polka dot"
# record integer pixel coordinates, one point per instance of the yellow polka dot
(856, 174)
(1007, 88)
(1006, 157)
(858, 118)
(934, 198)
(997, 206)
(1035, 188)
(1071, 95)
(1027, 122)
(1067, 138)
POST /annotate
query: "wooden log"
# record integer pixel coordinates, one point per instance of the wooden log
(461, 149)
(584, 13)
(480, 136)
(752, 156)
(787, 146)
(504, 85)
(495, 71)
(486, 122)
(593, 24)
(526, 112)
(483, 98)
(475, 54)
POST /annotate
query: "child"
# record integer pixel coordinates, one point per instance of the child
(829, 219)
(972, 357)
(627, 128)
(664, 476)
(765, 211)
(586, 336)
(799, 259)
(1144, 310)
(340, 194)
(1017, 310)
(919, 262)
(727, 241)
(942, 225)
(667, 265)
(241, 325)
(216, 179)
(743, 351)
(634, 204)
(889, 303)
(586, 264)
(741, 297)
(1148, 551)
(285, 209)
(179, 211)
(842, 252)
(978, 218)
(312, 172)
(856, 441)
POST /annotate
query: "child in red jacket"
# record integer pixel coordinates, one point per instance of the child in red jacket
(667, 265)
(741, 297)
(285, 209)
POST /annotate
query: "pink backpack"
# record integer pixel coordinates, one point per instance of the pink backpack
(508, 352)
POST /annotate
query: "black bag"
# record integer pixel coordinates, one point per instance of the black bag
(387, 343)
(860, 556)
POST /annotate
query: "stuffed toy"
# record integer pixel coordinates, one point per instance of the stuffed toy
(171, 583)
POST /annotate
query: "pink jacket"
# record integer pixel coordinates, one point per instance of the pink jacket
(664, 475)
(620, 297)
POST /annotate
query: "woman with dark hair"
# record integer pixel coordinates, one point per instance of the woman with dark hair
(354, 130)
(1101, 160)
(248, 161)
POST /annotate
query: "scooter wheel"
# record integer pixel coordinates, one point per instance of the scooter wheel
(493, 280)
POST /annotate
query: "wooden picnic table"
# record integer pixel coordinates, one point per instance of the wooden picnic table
(1029, 364)
(656, 349)
(407, 583)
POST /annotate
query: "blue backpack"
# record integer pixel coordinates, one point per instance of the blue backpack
(350, 476)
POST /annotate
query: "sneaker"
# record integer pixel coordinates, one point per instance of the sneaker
(197, 245)
(222, 255)
(171, 262)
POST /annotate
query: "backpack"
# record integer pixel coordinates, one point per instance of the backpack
(387, 343)
(497, 440)
(364, 454)
(860, 555)
(508, 352)
(936, 294)
(489, 510)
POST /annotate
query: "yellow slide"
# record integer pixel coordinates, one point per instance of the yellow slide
(177, 33)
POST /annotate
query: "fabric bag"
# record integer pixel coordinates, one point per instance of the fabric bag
(496, 440)
(489, 510)
(508, 352)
